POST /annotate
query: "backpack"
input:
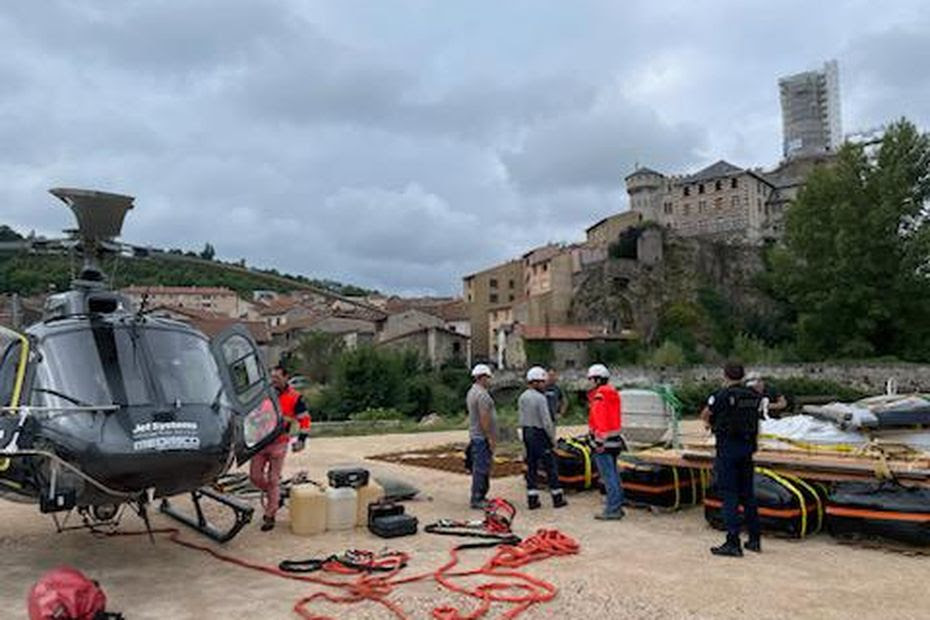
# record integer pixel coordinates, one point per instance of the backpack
(65, 593)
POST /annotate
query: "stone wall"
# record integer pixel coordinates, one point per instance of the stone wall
(625, 293)
(866, 377)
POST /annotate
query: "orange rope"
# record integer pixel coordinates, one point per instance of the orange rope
(505, 584)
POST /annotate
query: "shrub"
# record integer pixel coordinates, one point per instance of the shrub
(669, 354)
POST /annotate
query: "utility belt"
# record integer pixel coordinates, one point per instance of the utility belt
(614, 441)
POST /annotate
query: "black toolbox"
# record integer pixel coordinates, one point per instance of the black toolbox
(387, 520)
(354, 477)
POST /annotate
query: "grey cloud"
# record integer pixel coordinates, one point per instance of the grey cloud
(401, 146)
(598, 147)
(885, 75)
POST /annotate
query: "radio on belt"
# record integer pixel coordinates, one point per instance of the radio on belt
(354, 477)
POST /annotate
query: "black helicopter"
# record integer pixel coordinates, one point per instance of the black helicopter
(105, 407)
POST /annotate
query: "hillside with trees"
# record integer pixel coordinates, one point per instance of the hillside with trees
(28, 274)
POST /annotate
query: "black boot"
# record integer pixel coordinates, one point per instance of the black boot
(731, 548)
(267, 524)
(754, 544)
(558, 500)
(532, 502)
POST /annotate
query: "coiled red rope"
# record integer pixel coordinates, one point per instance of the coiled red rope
(504, 585)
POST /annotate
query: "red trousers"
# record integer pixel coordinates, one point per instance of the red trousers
(265, 473)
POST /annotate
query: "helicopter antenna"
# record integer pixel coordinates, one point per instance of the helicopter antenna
(100, 218)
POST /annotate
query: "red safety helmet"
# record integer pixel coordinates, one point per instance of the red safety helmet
(65, 593)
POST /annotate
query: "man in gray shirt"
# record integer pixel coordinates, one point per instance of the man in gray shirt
(482, 434)
(538, 431)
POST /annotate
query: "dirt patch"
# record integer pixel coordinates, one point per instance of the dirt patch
(451, 458)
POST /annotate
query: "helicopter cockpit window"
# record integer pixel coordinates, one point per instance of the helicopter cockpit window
(184, 367)
(90, 367)
(244, 367)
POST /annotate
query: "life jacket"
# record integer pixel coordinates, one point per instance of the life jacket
(66, 594)
(739, 416)
(604, 417)
(288, 400)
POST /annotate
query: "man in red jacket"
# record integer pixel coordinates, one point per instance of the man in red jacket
(604, 428)
(265, 467)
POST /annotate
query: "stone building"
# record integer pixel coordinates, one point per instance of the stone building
(492, 287)
(569, 345)
(721, 201)
(218, 300)
(547, 282)
(434, 343)
(607, 230)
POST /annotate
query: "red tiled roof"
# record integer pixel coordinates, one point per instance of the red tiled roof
(455, 310)
(564, 332)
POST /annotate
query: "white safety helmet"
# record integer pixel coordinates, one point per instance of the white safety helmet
(598, 371)
(536, 373)
(481, 370)
(753, 379)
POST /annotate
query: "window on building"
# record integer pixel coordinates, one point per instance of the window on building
(718, 186)
(493, 283)
(701, 188)
(456, 349)
(733, 183)
(686, 209)
(734, 201)
(511, 284)
(511, 297)
(545, 267)
(493, 298)
(686, 191)
(701, 206)
(718, 202)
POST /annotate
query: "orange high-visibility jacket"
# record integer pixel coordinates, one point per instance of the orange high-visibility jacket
(293, 409)
(604, 418)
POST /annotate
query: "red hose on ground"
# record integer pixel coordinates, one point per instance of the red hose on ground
(505, 585)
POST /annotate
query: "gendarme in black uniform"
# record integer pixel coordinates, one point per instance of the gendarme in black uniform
(734, 419)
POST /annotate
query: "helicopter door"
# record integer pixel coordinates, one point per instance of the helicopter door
(246, 382)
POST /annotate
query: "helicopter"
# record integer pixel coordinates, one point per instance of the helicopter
(105, 407)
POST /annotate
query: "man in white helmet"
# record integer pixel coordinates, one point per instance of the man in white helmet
(604, 427)
(538, 432)
(482, 432)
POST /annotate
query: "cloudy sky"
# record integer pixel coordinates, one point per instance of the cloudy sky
(401, 144)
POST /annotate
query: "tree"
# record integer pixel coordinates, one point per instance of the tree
(208, 252)
(8, 234)
(855, 263)
(316, 355)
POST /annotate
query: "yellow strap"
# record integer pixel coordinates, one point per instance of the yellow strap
(587, 459)
(811, 490)
(20, 370)
(788, 485)
(693, 487)
(677, 489)
(813, 447)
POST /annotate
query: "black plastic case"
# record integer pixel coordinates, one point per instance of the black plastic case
(387, 520)
(354, 477)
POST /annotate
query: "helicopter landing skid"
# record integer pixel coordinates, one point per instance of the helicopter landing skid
(241, 510)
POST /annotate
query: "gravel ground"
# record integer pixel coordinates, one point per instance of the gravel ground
(647, 566)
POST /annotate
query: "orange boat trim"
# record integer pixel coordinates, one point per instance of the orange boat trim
(840, 511)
